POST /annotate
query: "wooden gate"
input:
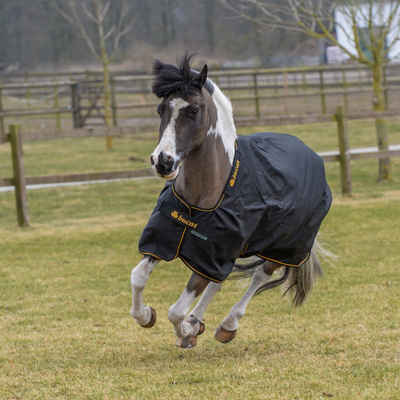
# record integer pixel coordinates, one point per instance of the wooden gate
(88, 103)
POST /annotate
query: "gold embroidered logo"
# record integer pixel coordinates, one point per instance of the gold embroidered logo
(235, 173)
(175, 215)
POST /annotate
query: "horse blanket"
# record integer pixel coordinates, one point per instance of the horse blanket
(272, 206)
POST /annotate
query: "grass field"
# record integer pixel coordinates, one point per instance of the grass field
(65, 329)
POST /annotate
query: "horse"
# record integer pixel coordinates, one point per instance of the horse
(261, 197)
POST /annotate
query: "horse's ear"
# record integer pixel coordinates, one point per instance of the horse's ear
(203, 76)
(157, 67)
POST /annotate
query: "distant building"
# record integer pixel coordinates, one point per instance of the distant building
(335, 55)
(8, 68)
(380, 13)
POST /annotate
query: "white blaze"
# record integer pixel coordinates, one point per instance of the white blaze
(167, 143)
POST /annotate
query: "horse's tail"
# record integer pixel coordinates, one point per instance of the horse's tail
(301, 280)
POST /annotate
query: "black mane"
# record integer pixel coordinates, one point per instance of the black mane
(171, 79)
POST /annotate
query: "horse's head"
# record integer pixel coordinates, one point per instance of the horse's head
(187, 113)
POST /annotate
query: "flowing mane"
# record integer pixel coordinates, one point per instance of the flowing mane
(225, 128)
(182, 79)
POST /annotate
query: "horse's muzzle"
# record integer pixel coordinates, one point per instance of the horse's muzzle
(165, 165)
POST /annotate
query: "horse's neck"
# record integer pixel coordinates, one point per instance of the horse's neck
(204, 173)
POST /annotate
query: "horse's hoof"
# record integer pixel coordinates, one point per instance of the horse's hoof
(223, 335)
(153, 319)
(187, 342)
(202, 328)
(190, 341)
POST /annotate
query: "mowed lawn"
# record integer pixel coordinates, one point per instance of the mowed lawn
(65, 329)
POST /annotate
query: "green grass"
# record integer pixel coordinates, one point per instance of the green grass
(65, 329)
(79, 155)
(88, 154)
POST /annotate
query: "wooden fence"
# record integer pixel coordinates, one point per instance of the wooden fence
(344, 156)
(270, 96)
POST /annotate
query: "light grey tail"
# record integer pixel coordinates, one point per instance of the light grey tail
(296, 282)
(301, 280)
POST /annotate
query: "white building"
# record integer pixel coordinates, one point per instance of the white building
(381, 12)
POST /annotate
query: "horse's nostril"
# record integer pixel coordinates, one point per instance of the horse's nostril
(165, 163)
(152, 160)
(165, 158)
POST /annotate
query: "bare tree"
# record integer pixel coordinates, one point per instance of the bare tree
(320, 19)
(102, 32)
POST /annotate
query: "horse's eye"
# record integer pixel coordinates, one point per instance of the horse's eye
(160, 109)
(192, 110)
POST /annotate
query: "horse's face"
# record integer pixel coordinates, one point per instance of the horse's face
(185, 122)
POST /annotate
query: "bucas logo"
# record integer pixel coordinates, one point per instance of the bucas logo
(175, 214)
(235, 173)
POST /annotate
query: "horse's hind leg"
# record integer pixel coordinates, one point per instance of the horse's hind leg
(144, 315)
(227, 330)
(188, 329)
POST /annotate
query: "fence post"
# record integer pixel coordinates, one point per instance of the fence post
(286, 90)
(57, 106)
(276, 83)
(345, 96)
(305, 88)
(19, 176)
(2, 129)
(75, 105)
(345, 158)
(28, 92)
(256, 96)
(114, 103)
(322, 91)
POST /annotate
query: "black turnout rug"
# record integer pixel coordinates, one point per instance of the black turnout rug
(272, 206)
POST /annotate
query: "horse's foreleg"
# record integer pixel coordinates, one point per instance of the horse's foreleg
(144, 315)
(227, 330)
(206, 298)
(187, 329)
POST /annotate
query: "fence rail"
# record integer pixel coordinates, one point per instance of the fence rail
(344, 156)
(262, 94)
(216, 71)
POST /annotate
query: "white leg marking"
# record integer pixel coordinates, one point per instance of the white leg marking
(190, 325)
(206, 298)
(178, 311)
(168, 140)
(139, 277)
(231, 322)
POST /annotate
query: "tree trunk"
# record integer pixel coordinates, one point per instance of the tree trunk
(164, 23)
(171, 23)
(145, 17)
(106, 83)
(210, 18)
(385, 167)
(107, 99)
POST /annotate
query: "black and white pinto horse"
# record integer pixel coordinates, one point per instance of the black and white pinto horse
(226, 197)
